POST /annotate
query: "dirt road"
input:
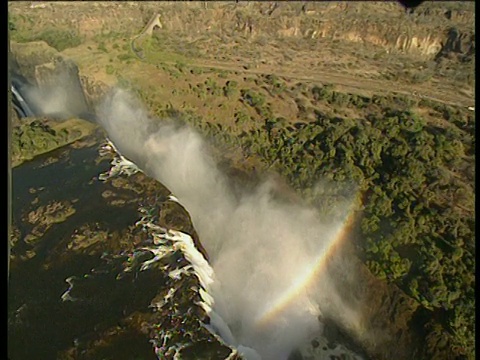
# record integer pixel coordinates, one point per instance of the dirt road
(434, 91)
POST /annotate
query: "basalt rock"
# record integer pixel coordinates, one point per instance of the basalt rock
(26, 56)
(174, 216)
(459, 45)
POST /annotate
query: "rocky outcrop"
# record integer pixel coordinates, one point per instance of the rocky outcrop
(45, 216)
(60, 80)
(25, 57)
(375, 316)
(52, 83)
(173, 216)
(93, 90)
(458, 45)
(37, 136)
(387, 312)
(420, 33)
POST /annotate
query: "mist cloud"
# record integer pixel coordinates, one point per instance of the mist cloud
(59, 92)
(258, 246)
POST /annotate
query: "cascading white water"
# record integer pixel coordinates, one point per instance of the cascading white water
(264, 253)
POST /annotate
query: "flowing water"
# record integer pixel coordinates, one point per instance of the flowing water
(109, 282)
(40, 324)
(71, 297)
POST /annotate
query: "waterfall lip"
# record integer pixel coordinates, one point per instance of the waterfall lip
(200, 267)
(178, 240)
(173, 198)
(20, 102)
(18, 109)
(120, 164)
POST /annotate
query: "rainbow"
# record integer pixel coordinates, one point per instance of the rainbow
(300, 284)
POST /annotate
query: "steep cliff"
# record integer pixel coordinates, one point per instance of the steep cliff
(52, 82)
(423, 33)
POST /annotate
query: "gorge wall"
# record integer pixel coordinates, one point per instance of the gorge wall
(433, 28)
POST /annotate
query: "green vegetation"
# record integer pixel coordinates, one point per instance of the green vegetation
(322, 93)
(241, 118)
(109, 69)
(35, 137)
(196, 70)
(230, 89)
(252, 98)
(418, 196)
(60, 39)
(276, 86)
(123, 83)
(212, 87)
(181, 66)
(124, 57)
(156, 53)
(30, 139)
(110, 36)
(102, 47)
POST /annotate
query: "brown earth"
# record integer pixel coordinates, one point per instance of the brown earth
(352, 45)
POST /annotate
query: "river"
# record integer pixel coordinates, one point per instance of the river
(41, 326)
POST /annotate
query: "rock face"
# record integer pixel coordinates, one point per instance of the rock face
(352, 22)
(26, 56)
(51, 83)
(174, 216)
(422, 33)
(69, 99)
(93, 91)
(388, 333)
(458, 44)
(376, 316)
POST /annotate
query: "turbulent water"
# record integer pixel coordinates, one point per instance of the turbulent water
(167, 241)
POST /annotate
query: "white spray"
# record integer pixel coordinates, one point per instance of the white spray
(258, 246)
